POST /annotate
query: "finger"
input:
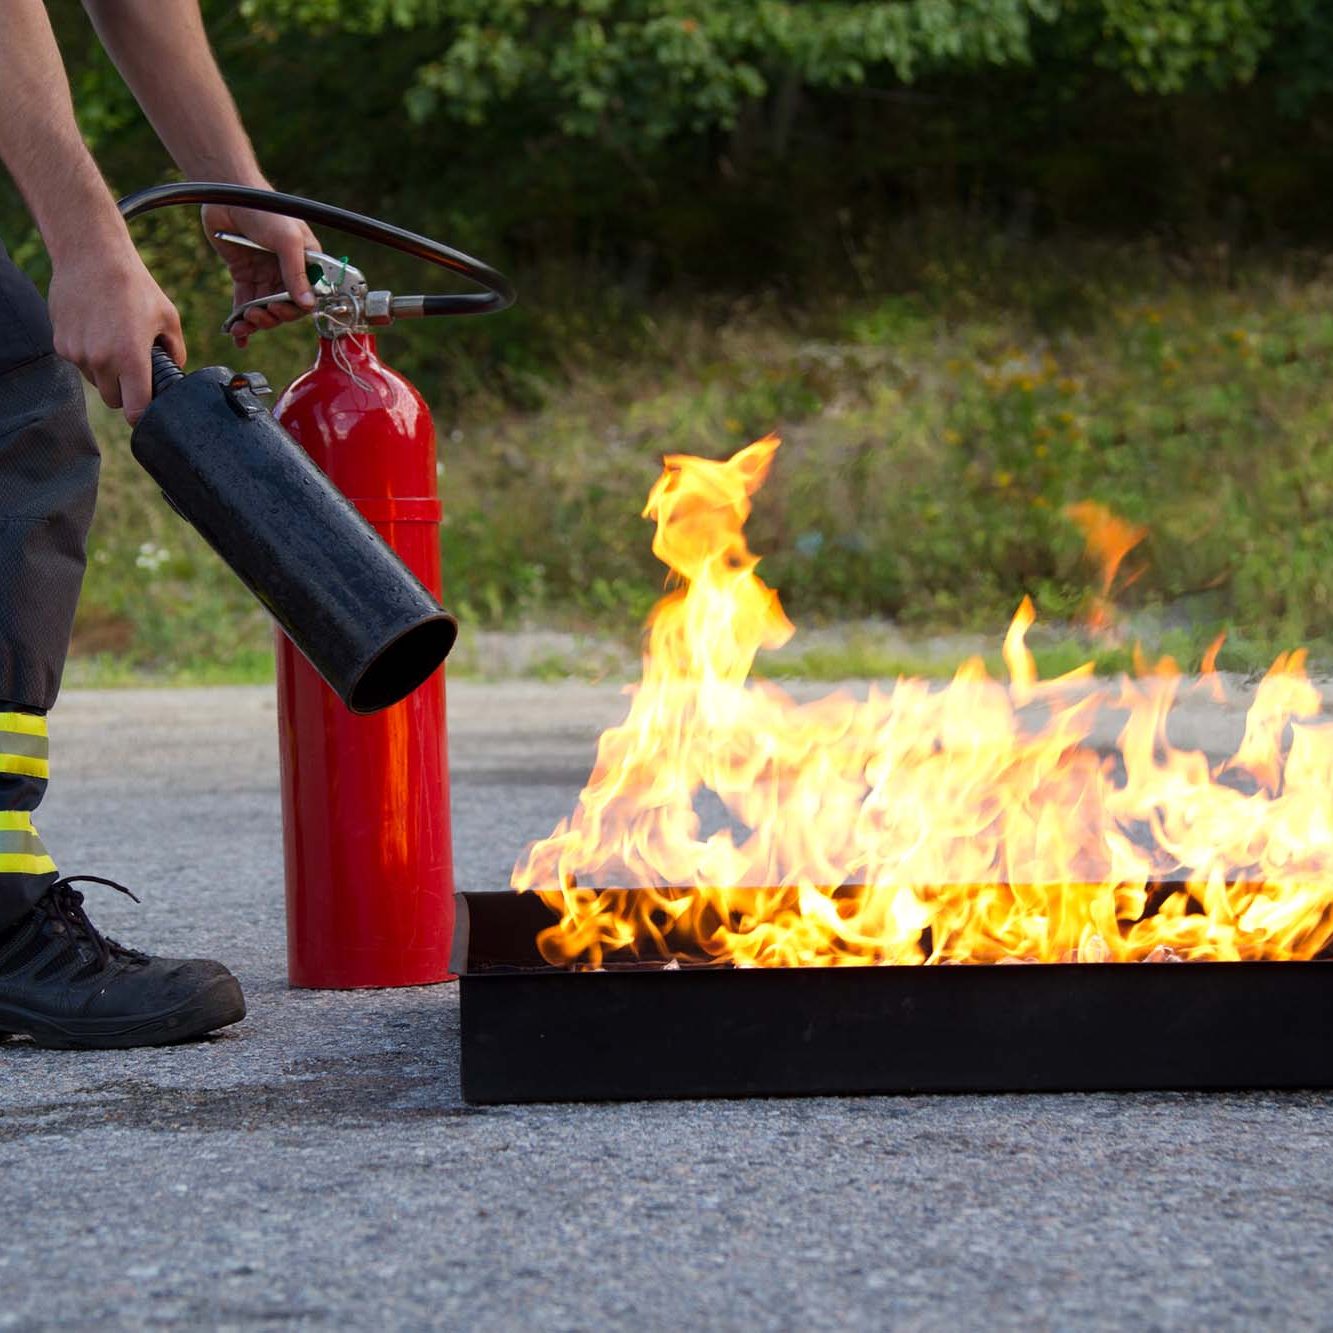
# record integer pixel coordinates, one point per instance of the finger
(173, 340)
(260, 319)
(284, 312)
(136, 387)
(291, 259)
(86, 367)
(210, 222)
(108, 386)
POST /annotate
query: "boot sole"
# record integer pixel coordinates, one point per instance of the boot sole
(218, 1005)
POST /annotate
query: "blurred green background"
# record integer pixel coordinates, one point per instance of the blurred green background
(973, 259)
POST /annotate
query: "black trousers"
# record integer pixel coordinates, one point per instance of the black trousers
(48, 488)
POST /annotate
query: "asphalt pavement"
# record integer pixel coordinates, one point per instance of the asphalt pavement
(316, 1166)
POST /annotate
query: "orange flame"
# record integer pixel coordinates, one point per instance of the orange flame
(919, 824)
(1109, 539)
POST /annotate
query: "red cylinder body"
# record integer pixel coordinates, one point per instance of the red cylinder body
(365, 800)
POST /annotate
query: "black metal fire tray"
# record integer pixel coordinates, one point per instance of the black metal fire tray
(533, 1033)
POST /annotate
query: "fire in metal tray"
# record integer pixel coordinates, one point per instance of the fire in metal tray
(973, 823)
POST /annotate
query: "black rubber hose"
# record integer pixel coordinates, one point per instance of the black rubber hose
(165, 371)
(499, 294)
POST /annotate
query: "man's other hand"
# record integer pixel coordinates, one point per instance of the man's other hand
(107, 312)
(256, 274)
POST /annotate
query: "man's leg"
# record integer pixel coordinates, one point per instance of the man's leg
(61, 982)
(26, 871)
(48, 488)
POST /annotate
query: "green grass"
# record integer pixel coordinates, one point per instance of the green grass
(856, 657)
(116, 671)
(933, 437)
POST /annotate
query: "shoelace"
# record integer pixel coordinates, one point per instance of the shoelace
(66, 906)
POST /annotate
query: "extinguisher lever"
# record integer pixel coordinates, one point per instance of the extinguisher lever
(240, 311)
(328, 275)
(336, 274)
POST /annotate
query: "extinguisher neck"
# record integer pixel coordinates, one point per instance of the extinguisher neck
(340, 352)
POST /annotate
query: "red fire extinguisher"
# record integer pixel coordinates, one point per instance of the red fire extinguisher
(365, 793)
(365, 799)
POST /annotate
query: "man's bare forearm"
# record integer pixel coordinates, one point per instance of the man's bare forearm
(162, 52)
(40, 142)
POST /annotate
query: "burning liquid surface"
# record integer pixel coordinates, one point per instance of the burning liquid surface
(971, 823)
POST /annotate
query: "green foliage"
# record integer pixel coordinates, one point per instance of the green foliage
(155, 595)
(632, 72)
(634, 69)
(748, 145)
(1162, 46)
(628, 70)
(857, 220)
(933, 445)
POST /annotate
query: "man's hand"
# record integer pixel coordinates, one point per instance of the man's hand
(106, 312)
(255, 274)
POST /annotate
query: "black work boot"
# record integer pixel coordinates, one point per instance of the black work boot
(66, 986)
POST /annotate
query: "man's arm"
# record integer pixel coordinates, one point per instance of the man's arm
(105, 307)
(162, 51)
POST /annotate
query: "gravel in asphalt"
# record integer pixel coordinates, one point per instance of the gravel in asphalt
(316, 1167)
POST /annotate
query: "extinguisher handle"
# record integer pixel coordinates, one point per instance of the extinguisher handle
(499, 291)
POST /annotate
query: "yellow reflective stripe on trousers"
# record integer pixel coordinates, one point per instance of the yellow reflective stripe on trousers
(25, 724)
(24, 766)
(21, 850)
(21, 864)
(23, 745)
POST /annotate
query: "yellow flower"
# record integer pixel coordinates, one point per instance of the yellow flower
(1004, 480)
(952, 437)
(1040, 451)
